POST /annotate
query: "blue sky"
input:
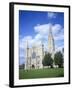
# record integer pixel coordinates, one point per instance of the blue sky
(34, 26)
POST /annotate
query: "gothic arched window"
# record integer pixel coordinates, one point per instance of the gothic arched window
(33, 55)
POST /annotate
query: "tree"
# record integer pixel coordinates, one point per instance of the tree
(22, 66)
(47, 60)
(58, 59)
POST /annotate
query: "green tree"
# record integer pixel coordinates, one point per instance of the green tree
(58, 59)
(22, 66)
(47, 60)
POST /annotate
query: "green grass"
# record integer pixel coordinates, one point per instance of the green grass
(41, 73)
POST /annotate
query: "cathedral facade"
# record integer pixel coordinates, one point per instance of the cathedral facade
(35, 55)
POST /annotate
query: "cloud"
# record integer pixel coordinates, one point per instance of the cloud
(59, 48)
(43, 30)
(60, 37)
(42, 34)
(56, 29)
(52, 15)
(23, 41)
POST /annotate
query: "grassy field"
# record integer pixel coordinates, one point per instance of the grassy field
(41, 73)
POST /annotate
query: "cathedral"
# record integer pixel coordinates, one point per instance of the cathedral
(35, 54)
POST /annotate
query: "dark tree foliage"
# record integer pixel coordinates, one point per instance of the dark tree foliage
(47, 60)
(58, 59)
(22, 66)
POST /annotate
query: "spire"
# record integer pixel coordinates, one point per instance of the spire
(51, 46)
(50, 30)
(27, 44)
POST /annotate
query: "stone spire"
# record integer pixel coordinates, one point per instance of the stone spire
(51, 45)
(27, 44)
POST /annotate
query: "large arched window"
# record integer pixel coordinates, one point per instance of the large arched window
(33, 55)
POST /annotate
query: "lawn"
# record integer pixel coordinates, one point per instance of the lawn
(41, 73)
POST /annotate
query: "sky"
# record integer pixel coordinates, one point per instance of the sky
(34, 26)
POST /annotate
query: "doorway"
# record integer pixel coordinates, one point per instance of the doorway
(33, 66)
